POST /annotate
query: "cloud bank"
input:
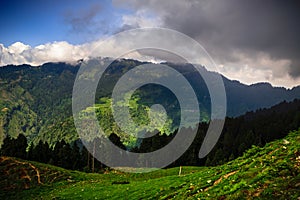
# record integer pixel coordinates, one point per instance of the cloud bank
(19, 53)
(250, 40)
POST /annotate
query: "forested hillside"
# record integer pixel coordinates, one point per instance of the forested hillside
(36, 101)
(239, 134)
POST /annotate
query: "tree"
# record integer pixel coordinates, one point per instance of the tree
(20, 146)
(61, 155)
(41, 152)
(6, 149)
(76, 157)
(14, 147)
(85, 159)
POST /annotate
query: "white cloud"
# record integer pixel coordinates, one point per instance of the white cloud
(19, 53)
(259, 67)
(141, 19)
(18, 47)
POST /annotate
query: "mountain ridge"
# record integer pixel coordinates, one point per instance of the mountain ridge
(37, 100)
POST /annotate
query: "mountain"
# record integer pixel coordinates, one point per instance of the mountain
(270, 172)
(243, 98)
(36, 101)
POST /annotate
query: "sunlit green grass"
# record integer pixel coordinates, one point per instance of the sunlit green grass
(261, 173)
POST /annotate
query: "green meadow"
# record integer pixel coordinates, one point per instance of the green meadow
(261, 173)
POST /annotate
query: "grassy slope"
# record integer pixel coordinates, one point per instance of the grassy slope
(262, 173)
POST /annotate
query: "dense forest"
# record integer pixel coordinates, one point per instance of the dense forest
(239, 134)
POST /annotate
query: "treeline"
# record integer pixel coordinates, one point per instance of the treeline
(238, 135)
(72, 156)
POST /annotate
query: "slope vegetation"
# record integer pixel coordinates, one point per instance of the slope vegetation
(37, 101)
(261, 173)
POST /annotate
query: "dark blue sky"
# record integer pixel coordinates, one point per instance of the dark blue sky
(37, 22)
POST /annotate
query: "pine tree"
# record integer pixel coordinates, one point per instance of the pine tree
(14, 147)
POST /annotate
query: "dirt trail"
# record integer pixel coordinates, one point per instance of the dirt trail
(220, 179)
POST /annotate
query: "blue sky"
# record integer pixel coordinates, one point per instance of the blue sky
(36, 22)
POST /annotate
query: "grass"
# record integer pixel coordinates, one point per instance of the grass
(261, 173)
